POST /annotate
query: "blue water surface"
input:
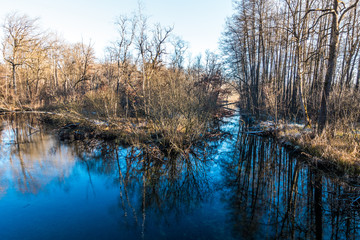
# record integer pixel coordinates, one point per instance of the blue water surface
(238, 186)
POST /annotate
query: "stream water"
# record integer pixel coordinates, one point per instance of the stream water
(238, 187)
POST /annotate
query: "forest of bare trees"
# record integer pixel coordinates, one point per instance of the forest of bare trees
(260, 140)
(297, 60)
(142, 78)
(291, 60)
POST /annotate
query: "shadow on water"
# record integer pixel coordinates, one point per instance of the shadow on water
(272, 194)
(153, 193)
(243, 186)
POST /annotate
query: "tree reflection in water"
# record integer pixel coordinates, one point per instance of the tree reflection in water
(28, 155)
(163, 188)
(272, 194)
(242, 186)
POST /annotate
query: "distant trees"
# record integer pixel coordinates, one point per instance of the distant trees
(149, 80)
(295, 58)
(143, 77)
(41, 66)
(76, 67)
(21, 43)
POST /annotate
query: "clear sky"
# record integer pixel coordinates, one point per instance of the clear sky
(199, 22)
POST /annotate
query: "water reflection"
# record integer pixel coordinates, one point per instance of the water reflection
(243, 186)
(271, 194)
(148, 187)
(30, 159)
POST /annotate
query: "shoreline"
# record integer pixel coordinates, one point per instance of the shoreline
(70, 126)
(318, 150)
(294, 137)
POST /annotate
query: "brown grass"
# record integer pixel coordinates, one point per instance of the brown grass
(340, 147)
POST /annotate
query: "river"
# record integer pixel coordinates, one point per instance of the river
(239, 186)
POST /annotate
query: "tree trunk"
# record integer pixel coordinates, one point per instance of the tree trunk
(334, 40)
(357, 79)
(14, 79)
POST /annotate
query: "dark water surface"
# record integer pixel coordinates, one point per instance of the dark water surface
(238, 187)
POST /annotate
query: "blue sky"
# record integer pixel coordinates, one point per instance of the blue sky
(199, 22)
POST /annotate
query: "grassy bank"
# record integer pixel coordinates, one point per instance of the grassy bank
(171, 134)
(336, 149)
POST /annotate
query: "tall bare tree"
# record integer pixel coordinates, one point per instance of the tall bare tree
(21, 38)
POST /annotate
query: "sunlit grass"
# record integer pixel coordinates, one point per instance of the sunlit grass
(339, 147)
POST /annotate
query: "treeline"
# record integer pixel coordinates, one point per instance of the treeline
(297, 59)
(143, 76)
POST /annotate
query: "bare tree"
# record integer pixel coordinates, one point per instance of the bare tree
(288, 56)
(21, 37)
(337, 13)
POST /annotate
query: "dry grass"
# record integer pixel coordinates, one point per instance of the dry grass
(173, 125)
(340, 147)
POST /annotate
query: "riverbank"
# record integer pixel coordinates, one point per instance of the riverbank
(242, 176)
(71, 125)
(335, 150)
(170, 137)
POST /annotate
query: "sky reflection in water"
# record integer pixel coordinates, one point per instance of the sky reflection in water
(239, 187)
